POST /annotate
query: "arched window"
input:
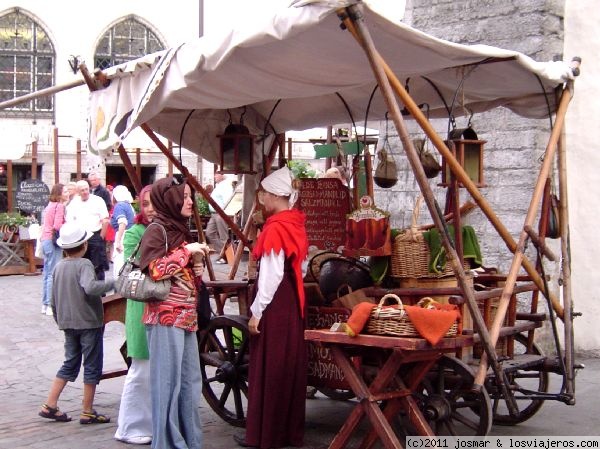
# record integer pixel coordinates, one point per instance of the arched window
(27, 61)
(127, 40)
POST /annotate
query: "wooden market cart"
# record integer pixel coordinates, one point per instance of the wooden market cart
(407, 377)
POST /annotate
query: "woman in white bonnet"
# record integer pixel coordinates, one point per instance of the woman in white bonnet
(278, 357)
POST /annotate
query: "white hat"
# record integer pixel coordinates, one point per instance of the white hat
(121, 193)
(71, 235)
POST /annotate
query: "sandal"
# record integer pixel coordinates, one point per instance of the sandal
(93, 418)
(52, 413)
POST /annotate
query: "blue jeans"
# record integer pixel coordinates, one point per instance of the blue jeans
(52, 254)
(86, 344)
(175, 387)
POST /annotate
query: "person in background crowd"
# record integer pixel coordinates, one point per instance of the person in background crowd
(336, 173)
(171, 324)
(121, 219)
(70, 192)
(78, 312)
(278, 354)
(53, 218)
(96, 188)
(91, 213)
(135, 413)
(217, 231)
(109, 238)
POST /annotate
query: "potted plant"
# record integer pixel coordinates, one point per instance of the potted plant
(16, 220)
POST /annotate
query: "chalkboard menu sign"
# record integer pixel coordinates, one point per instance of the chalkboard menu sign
(322, 369)
(32, 196)
(325, 202)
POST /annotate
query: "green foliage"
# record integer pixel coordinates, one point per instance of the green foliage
(15, 219)
(202, 205)
(302, 169)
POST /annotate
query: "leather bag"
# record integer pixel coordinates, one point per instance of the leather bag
(134, 284)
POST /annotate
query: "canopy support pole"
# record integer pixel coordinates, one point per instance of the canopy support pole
(463, 178)
(354, 23)
(538, 190)
(565, 237)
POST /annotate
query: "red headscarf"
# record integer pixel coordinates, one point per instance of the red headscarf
(141, 218)
(285, 230)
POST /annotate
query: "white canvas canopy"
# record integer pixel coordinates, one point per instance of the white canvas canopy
(294, 67)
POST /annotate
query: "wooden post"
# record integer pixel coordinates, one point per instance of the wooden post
(511, 278)
(138, 164)
(34, 147)
(78, 159)
(354, 23)
(137, 184)
(9, 186)
(55, 153)
(566, 268)
(169, 163)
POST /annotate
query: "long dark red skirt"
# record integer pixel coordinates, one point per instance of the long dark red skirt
(277, 373)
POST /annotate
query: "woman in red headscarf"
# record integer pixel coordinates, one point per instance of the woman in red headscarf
(278, 356)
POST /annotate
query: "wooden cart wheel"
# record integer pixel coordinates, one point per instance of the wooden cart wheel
(224, 355)
(521, 381)
(449, 404)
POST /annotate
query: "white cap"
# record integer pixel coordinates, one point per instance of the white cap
(72, 235)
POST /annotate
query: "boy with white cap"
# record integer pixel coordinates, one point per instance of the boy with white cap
(77, 306)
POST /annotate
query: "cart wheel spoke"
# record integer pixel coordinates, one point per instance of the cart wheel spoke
(224, 367)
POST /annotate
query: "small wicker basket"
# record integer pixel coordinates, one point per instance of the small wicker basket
(394, 321)
(410, 252)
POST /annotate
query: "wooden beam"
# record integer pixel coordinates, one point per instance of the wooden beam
(55, 153)
(129, 168)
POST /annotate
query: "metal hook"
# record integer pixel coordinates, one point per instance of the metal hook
(242, 116)
(230, 118)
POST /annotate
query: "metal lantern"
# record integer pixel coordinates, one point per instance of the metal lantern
(468, 150)
(237, 149)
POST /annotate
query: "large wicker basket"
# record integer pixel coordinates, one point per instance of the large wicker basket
(394, 321)
(410, 252)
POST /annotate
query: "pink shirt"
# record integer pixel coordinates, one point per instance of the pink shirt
(53, 219)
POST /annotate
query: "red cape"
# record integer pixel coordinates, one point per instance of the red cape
(285, 230)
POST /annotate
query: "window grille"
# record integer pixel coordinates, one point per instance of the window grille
(127, 40)
(27, 61)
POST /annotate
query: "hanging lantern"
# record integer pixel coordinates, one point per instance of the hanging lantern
(468, 151)
(237, 148)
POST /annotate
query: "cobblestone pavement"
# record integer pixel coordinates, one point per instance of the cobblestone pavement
(31, 351)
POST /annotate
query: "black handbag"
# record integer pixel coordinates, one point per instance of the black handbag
(203, 305)
(134, 284)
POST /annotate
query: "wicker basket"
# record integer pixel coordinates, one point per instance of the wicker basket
(395, 321)
(410, 252)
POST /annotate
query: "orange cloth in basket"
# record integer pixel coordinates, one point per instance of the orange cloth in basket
(432, 324)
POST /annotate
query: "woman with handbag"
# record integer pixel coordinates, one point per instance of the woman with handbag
(135, 412)
(171, 324)
(278, 353)
(53, 218)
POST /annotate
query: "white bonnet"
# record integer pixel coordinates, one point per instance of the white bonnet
(121, 193)
(280, 183)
